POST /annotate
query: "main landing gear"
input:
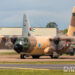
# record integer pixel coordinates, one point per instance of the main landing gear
(35, 56)
(54, 57)
(23, 56)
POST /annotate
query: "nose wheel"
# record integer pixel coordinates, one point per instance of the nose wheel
(23, 56)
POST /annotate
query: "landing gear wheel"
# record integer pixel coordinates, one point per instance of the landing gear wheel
(23, 56)
(71, 52)
(52, 57)
(35, 56)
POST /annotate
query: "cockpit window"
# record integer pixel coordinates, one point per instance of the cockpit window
(26, 40)
(21, 39)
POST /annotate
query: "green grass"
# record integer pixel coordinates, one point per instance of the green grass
(34, 72)
(9, 53)
(15, 53)
(40, 62)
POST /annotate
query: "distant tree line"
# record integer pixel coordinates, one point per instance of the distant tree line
(65, 31)
(52, 25)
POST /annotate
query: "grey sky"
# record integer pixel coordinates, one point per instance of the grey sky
(40, 12)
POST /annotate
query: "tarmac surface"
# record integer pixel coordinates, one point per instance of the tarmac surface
(37, 66)
(16, 58)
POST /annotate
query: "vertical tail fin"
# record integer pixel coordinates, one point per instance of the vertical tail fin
(26, 26)
(71, 30)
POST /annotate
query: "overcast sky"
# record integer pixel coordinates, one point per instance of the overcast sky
(39, 12)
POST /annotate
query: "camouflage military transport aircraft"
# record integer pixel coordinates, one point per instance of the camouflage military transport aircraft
(36, 46)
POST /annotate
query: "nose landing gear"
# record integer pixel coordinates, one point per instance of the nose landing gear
(23, 56)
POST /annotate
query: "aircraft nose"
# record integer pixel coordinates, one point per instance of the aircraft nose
(18, 48)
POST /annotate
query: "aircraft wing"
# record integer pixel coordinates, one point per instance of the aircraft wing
(63, 38)
(7, 42)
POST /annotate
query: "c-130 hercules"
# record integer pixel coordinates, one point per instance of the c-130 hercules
(36, 46)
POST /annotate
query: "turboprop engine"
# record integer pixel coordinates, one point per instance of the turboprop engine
(60, 45)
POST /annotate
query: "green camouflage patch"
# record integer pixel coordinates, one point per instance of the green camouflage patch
(73, 14)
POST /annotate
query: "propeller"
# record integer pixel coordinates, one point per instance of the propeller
(13, 39)
(60, 43)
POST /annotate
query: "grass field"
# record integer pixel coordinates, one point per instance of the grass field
(15, 53)
(40, 62)
(9, 53)
(35, 72)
